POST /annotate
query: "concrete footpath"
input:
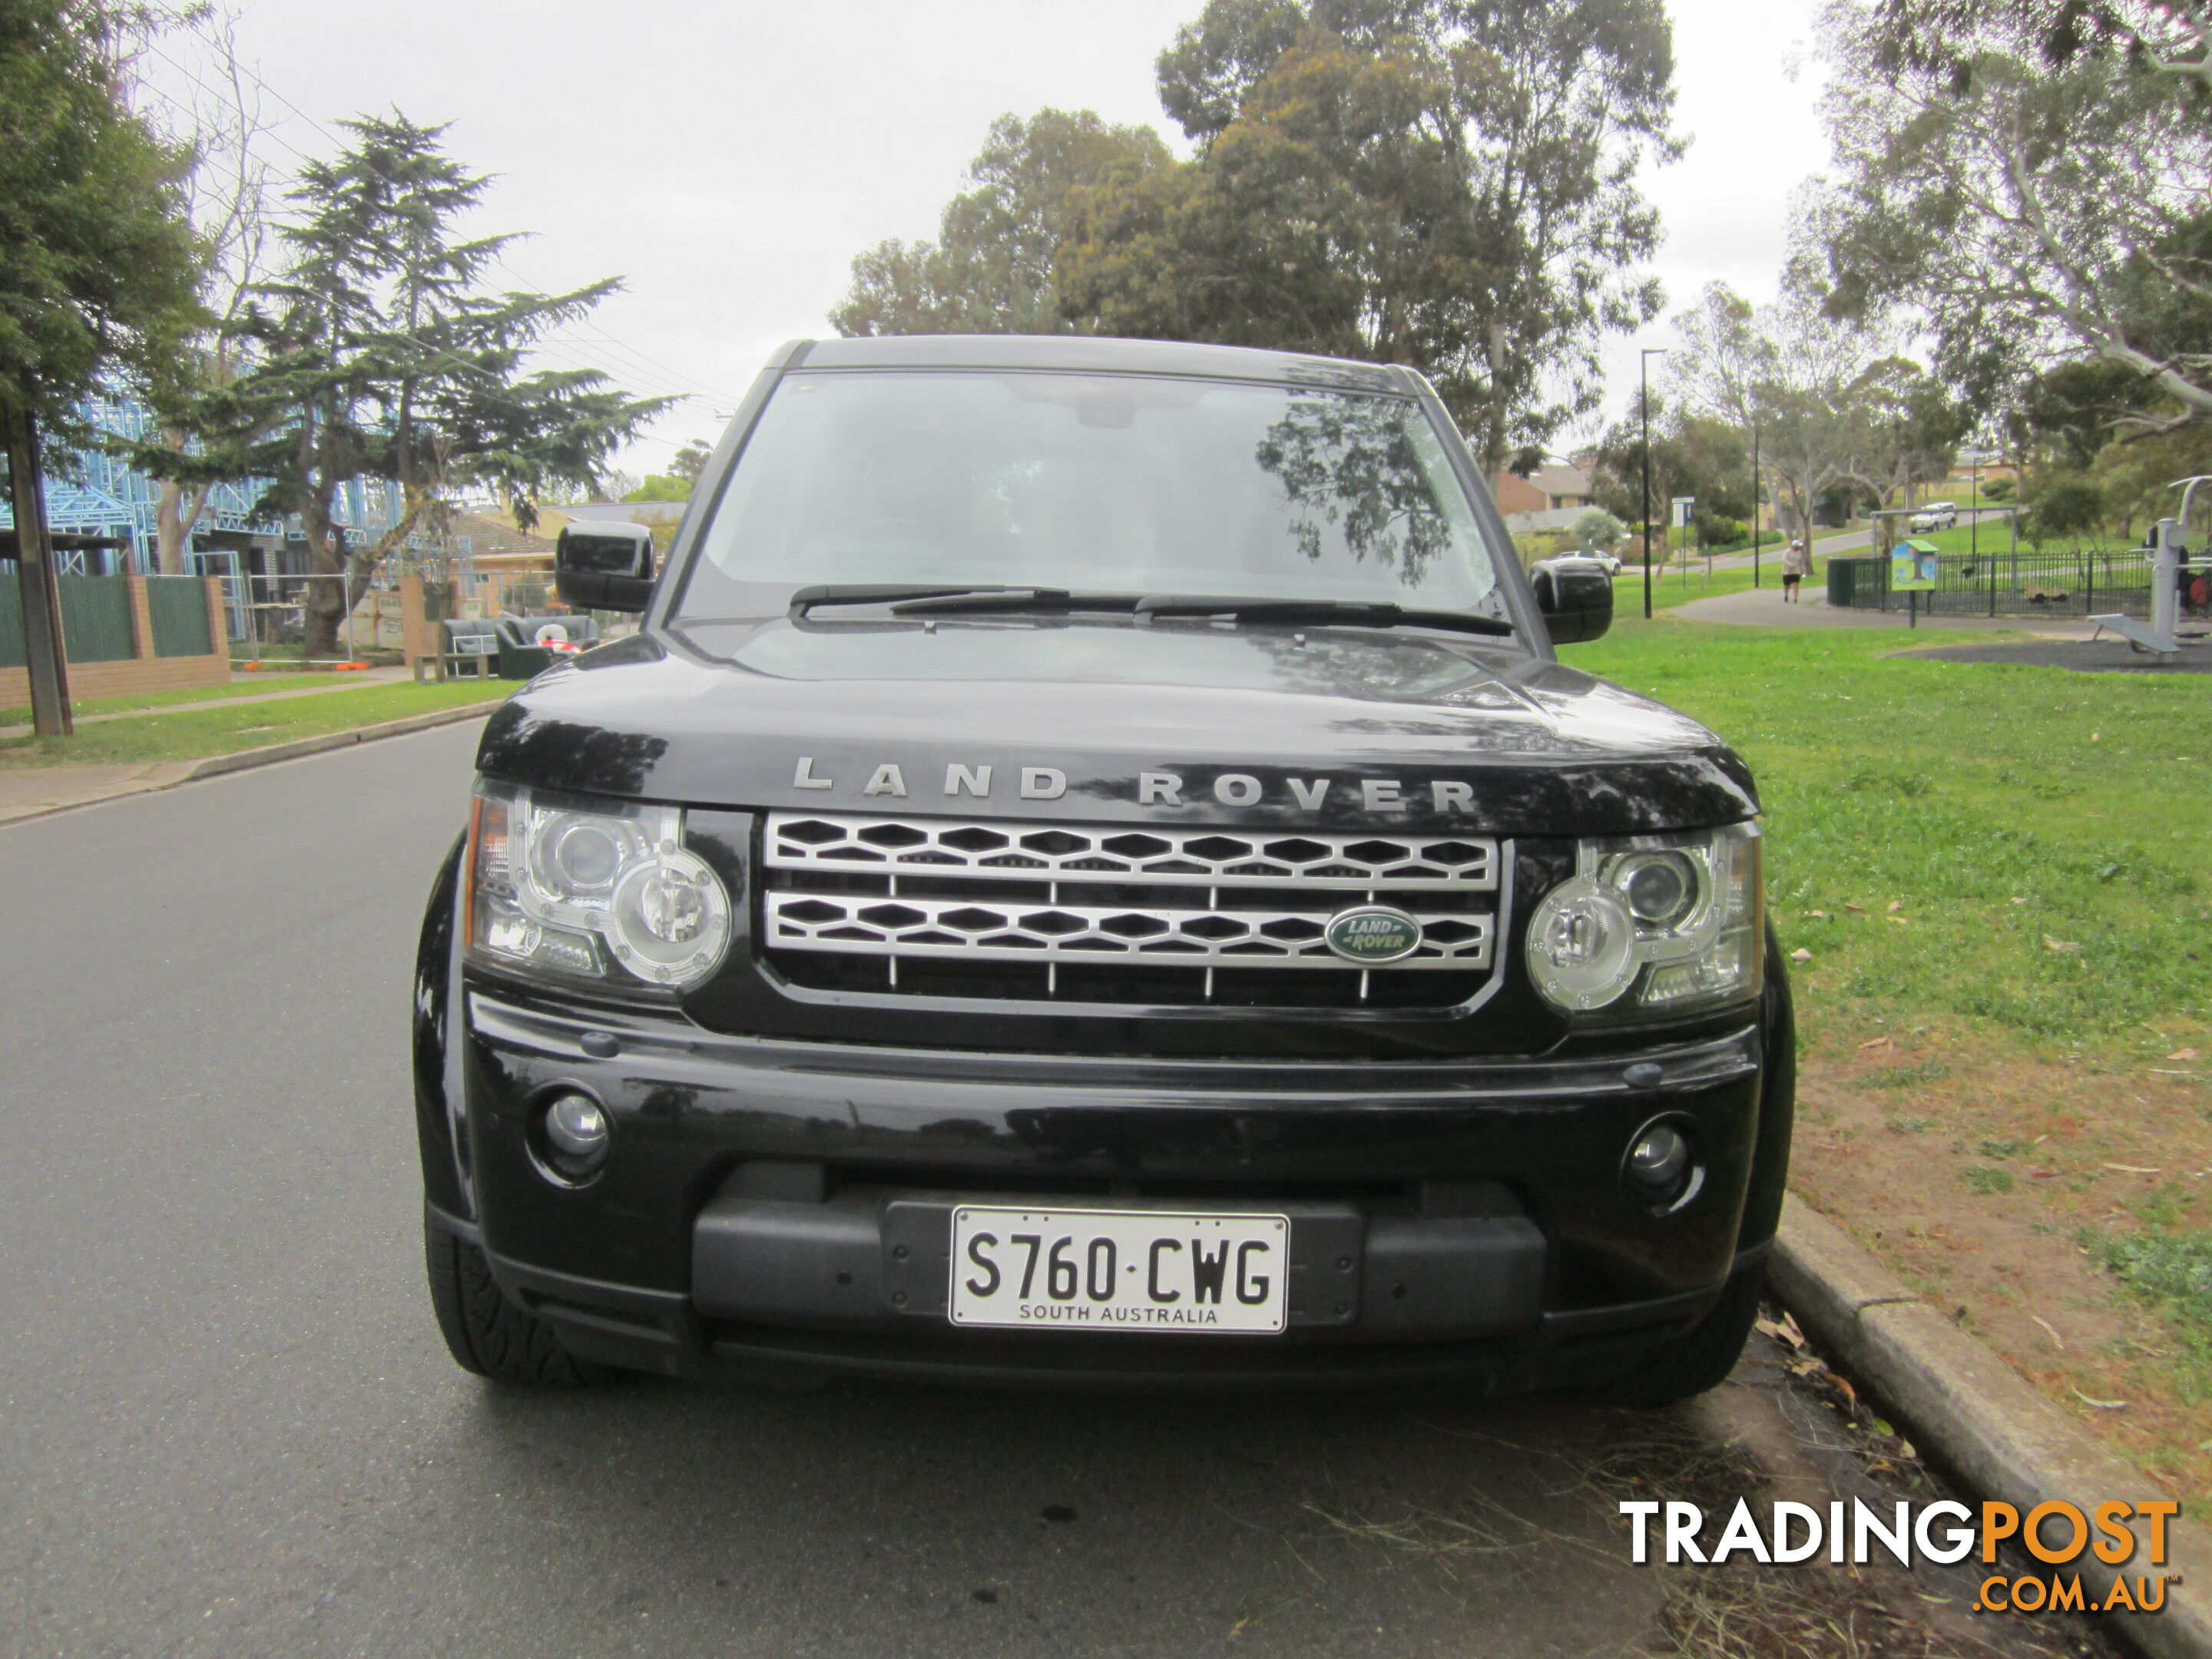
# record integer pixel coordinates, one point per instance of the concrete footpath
(1763, 607)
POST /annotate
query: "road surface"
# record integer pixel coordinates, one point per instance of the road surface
(228, 1426)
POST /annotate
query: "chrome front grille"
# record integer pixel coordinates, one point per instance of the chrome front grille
(804, 841)
(1182, 914)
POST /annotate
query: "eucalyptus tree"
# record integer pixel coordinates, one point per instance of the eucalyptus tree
(990, 269)
(218, 122)
(1438, 183)
(1811, 382)
(2036, 198)
(381, 352)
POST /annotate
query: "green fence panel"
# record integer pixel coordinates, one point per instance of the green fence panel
(12, 654)
(96, 618)
(179, 607)
(1857, 582)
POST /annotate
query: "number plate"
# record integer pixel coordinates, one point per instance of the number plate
(1119, 1270)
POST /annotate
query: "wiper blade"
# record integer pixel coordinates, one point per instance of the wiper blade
(987, 602)
(807, 598)
(1352, 613)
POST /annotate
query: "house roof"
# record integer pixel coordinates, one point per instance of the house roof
(493, 536)
(1563, 480)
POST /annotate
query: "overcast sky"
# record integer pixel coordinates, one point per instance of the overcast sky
(728, 157)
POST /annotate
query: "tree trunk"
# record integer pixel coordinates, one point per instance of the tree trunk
(175, 512)
(325, 607)
(44, 655)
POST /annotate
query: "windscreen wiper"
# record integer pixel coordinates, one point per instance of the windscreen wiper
(807, 598)
(983, 602)
(1351, 613)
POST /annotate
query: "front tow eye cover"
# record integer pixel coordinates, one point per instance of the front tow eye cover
(1372, 933)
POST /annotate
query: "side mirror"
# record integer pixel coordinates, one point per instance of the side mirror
(1575, 597)
(604, 566)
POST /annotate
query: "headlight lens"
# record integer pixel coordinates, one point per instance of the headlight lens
(1653, 924)
(607, 892)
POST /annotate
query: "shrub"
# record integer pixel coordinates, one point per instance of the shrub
(1597, 530)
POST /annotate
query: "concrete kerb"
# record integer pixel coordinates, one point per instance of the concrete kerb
(168, 775)
(1978, 1416)
(215, 765)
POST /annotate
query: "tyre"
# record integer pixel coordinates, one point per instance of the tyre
(485, 1332)
(1701, 1356)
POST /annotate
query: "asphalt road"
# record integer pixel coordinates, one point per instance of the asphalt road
(228, 1425)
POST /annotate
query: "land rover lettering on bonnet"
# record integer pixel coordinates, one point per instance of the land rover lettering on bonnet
(1090, 870)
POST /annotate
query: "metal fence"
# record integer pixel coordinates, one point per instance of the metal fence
(2005, 582)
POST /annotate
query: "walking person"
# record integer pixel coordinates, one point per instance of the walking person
(1797, 565)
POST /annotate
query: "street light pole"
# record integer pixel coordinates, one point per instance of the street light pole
(1644, 409)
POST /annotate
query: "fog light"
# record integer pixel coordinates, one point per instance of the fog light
(1658, 1162)
(574, 1136)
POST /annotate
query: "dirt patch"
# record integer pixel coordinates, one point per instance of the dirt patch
(1986, 1178)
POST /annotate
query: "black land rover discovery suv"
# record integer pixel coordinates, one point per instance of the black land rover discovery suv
(1091, 871)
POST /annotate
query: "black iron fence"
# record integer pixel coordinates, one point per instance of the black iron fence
(2005, 583)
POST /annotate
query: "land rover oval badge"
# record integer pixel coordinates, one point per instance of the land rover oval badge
(1373, 934)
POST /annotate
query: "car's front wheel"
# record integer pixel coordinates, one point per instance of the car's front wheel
(1703, 1356)
(485, 1331)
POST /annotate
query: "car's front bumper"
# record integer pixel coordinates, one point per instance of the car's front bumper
(780, 1201)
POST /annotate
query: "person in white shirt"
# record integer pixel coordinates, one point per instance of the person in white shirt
(1797, 565)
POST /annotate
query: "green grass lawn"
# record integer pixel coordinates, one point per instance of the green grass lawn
(250, 685)
(2000, 875)
(222, 730)
(2047, 833)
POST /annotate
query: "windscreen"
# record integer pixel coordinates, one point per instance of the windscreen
(1094, 483)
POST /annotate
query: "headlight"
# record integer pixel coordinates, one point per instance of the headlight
(605, 892)
(1651, 925)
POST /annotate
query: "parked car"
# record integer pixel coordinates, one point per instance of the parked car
(1092, 869)
(1936, 515)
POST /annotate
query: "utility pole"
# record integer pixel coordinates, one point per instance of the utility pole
(44, 656)
(1644, 409)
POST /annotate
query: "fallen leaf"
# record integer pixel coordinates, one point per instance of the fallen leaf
(1855, 909)
(2185, 1053)
(2131, 1169)
(2051, 944)
(1895, 905)
(2050, 1327)
(2096, 737)
(1818, 915)
(1800, 955)
(2101, 1404)
(2019, 900)
(1902, 922)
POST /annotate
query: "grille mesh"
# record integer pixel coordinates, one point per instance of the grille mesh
(1180, 903)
